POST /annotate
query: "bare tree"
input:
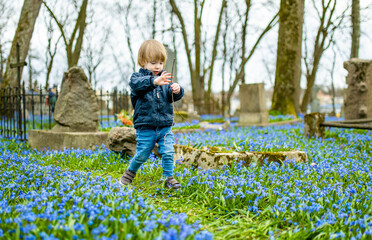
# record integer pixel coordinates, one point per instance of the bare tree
(154, 20)
(197, 80)
(240, 71)
(23, 35)
(33, 73)
(94, 55)
(6, 12)
(51, 51)
(125, 14)
(328, 23)
(74, 43)
(332, 88)
(224, 61)
(214, 54)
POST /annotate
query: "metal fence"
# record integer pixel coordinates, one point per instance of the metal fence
(22, 110)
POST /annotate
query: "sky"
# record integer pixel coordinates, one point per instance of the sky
(261, 68)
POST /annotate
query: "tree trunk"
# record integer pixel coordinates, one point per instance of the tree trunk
(197, 81)
(224, 51)
(355, 37)
(74, 44)
(23, 35)
(75, 50)
(198, 78)
(333, 90)
(154, 20)
(239, 73)
(214, 54)
(323, 40)
(29, 73)
(288, 64)
(244, 33)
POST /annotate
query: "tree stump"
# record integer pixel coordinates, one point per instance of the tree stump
(313, 127)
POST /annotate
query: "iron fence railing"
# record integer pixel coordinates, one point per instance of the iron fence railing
(22, 110)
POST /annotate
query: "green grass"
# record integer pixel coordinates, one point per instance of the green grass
(193, 126)
(343, 157)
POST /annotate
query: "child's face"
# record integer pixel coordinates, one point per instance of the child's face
(155, 67)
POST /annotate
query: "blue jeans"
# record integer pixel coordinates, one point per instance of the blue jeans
(146, 139)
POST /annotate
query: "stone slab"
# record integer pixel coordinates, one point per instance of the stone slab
(47, 139)
(289, 122)
(252, 97)
(215, 158)
(254, 118)
(358, 94)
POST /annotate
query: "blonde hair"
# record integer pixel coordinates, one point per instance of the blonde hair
(151, 50)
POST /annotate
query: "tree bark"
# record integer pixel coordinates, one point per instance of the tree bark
(288, 64)
(244, 33)
(154, 20)
(224, 52)
(355, 37)
(23, 35)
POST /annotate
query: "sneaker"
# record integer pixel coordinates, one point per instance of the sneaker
(170, 182)
(127, 177)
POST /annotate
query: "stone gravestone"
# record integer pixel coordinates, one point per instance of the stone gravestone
(358, 95)
(315, 103)
(76, 116)
(76, 109)
(123, 140)
(253, 104)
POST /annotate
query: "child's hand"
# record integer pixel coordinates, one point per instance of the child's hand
(164, 79)
(175, 88)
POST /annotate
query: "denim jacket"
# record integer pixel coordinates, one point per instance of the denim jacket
(152, 104)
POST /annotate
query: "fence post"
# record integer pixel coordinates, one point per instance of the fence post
(12, 124)
(50, 111)
(33, 108)
(2, 100)
(120, 100)
(101, 106)
(107, 105)
(24, 111)
(114, 105)
(41, 106)
(126, 100)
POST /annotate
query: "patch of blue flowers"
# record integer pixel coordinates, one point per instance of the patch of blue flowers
(39, 201)
(328, 197)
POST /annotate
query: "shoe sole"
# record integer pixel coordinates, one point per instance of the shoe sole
(123, 184)
(174, 188)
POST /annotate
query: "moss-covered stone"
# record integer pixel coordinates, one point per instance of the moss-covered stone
(205, 158)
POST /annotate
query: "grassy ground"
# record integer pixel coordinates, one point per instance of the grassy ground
(328, 197)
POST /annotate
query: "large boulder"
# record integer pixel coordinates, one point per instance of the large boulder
(209, 126)
(76, 108)
(123, 140)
